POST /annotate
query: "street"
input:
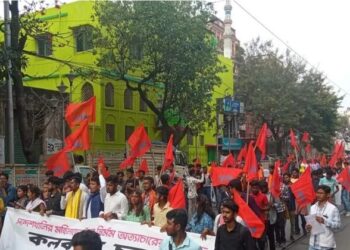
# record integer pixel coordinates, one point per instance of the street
(342, 238)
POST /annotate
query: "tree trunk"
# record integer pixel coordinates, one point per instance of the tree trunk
(178, 132)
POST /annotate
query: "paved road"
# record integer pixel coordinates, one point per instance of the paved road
(342, 238)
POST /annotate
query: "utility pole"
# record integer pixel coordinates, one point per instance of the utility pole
(9, 83)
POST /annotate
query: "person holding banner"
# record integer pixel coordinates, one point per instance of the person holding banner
(137, 211)
(35, 203)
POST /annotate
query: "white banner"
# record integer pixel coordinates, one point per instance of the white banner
(24, 230)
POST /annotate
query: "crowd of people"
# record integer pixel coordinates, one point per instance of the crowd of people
(137, 197)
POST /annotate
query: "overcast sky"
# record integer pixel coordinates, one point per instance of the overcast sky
(317, 29)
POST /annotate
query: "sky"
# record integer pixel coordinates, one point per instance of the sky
(315, 29)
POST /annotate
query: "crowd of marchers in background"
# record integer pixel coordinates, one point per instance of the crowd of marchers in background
(134, 196)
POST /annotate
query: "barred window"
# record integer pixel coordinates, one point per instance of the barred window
(110, 132)
(83, 36)
(44, 44)
(128, 99)
(128, 131)
(87, 91)
(109, 95)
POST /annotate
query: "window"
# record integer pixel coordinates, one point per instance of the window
(83, 38)
(127, 99)
(201, 140)
(109, 95)
(44, 44)
(143, 105)
(110, 132)
(189, 139)
(87, 91)
(128, 131)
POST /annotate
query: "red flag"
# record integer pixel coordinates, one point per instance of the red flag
(176, 195)
(323, 161)
(222, 176)
(303, 189)
(229, 161)
(251, 164)
(252, 221)
(242, 154)
(58, 163)
(344, 178)
(144, 166)
(129, 161)
(101, 162)
(78, 112)
(285, 167)
(306, 137)
(276, 182)
(261, 140)
(293, 141)
(139, 142)
(338, 153)
(308, 148)
(169, 156)
(79, 139)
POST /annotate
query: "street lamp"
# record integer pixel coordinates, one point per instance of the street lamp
(71, 76)
(62, 89)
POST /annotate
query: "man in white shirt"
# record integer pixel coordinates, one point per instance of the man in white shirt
(328, 216)
(192, 191)
(116, 204)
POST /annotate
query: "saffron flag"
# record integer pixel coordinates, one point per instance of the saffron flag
(222, 176)
(58, 163)
(306, 137)
(242, 154)
(323, 161)
(276, 182)
(78, 112)
(176, 195)
(79, 139)
(101, 163)
(144, 166)
(229, 161)
(251, 164)
(252, 221)
(303, 189)
(169, 155)
(344, 178)
(261, 140)
(293, 141)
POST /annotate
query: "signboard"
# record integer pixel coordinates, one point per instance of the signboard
(2, 149)
(53, 145)
(232, 144)
(31, 231)
(231, 106)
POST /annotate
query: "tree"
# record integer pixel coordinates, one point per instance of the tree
(166, 43)
(279, 89)
(31, 122)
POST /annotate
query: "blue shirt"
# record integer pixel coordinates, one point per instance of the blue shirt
(187, 244)
(198, 227)
(332, 183)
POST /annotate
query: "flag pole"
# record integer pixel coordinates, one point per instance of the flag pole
(154, 164)
(92, 143)
(296, 157)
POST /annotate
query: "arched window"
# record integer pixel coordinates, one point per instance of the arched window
(127, 99)
(87, 91)
(109, 95)
(143, 105)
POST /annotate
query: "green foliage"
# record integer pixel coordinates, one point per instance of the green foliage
(166, 42)
(279, 89)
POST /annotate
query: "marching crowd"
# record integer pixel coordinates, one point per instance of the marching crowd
(134, 196)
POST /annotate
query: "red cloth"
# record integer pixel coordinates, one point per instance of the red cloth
(242, 154)
(262, 202)
(176, 195)
(306, 137)
(308, 148)
(101, 162)
(58, 163)
(79, 139)
(144, 166)
(344, 178)
(229, 161)
(323, 161)
(169, 155)
(293, 141)
(252, 221)
(251, 164)
(303, 189)
(338, 153)
(261, 140)
(78, 112)
(222, 176)
(276, 182)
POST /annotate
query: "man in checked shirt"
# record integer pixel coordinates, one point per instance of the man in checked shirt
(328, 216)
